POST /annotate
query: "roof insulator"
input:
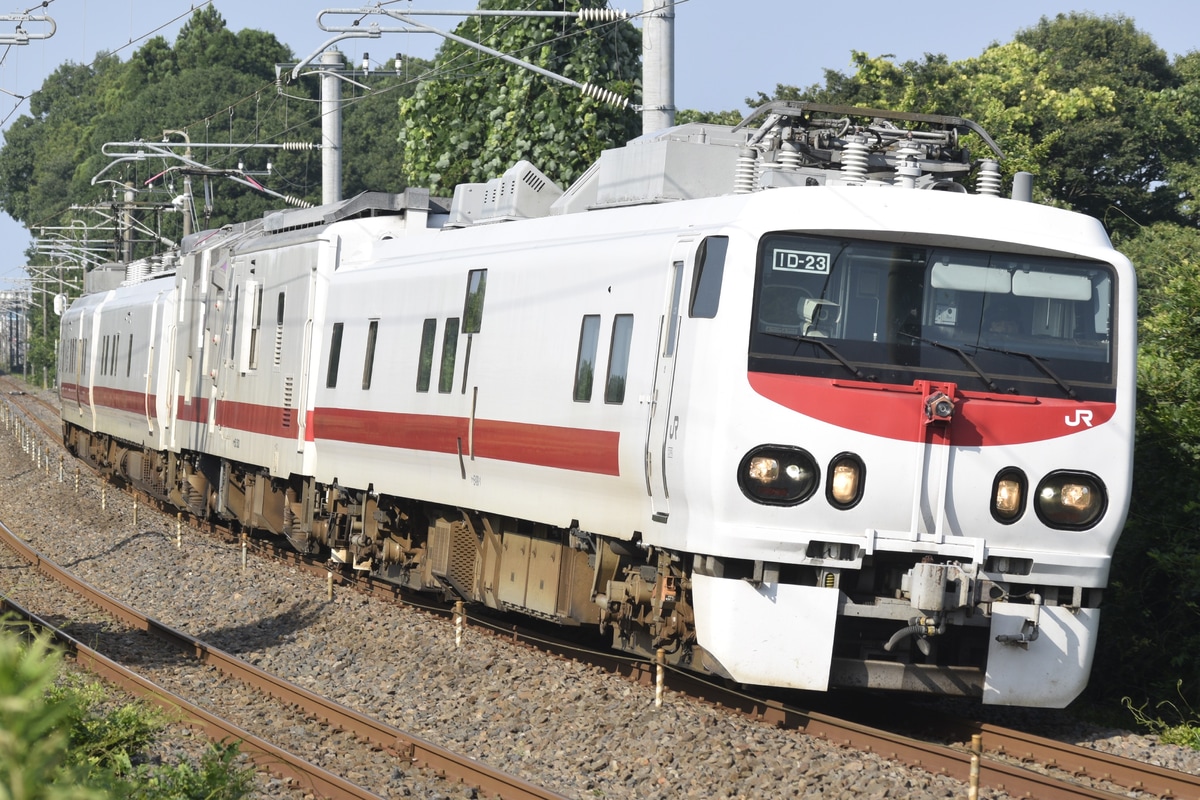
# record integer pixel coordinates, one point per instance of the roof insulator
(988, 181)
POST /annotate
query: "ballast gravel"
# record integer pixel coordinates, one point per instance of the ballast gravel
(565, 726)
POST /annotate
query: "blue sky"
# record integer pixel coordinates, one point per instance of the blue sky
(724, 51)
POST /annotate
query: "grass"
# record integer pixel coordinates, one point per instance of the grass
(64, 737)
(1184, 727)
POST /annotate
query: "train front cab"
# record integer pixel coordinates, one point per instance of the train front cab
(925, 503)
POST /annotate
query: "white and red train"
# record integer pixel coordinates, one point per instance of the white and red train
(785, 400)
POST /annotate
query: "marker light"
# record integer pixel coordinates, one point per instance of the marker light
(845, 486)
(778, 475)
(1008, 495)
(939, 408)
(1070, 500)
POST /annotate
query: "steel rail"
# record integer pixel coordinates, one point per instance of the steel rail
(265, 755)
(1135, 775)
(490, 781)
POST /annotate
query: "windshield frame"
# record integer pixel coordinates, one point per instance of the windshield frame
(988, 320)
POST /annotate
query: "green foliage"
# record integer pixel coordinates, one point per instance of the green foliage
(217, 777)
(109, 740)
(686, 115)
(1150, 634)
(215, 85)
(372, 158)
(1111, 157)
(62, 738)
(33, 741)
(474, 116)
(1184, 730)
(1088, 104)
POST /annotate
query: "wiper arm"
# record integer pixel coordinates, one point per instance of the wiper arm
(970, 362)
(1037, 362)
(827, 347)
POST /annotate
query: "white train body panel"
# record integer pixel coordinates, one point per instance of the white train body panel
(513, 417)
(243, 359)
(773, 431)
(114, 365)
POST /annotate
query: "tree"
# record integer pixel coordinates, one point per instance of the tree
(213, 84)
(1089, 104)
(1111, 165)
(474, 115)
(43, 151)
(1178, 109)
(731, 117)
(1150, 634)
(372, 157)
(204, 39)
(65, 738)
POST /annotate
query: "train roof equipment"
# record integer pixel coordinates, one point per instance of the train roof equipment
(785, 143)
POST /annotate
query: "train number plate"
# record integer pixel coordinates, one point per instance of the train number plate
(800, 261)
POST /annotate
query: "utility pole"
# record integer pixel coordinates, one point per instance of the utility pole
(331, 128)
(331, 63)
(127, 224)
(658, 65)
(186, 207)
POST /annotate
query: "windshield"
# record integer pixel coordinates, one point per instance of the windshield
(895, 313)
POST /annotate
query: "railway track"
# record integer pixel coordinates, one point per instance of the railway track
(1013, 763)
(404, 747)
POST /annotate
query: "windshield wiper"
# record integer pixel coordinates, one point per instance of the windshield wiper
(1037, 362)
(827, 347)
(970, 362)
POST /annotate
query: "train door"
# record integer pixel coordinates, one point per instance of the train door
(94, 347)
(664, 425)
(192, 409)
(326, 263)
(77, 361)
(159, 313)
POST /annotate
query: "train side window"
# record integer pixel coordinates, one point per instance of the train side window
(369, 359)
(233, 329)
(104, 357)
(335, 355)
(473, 306)
(710, 272)
(618, 359)
(129, 358)
(585, 361)
(249, 324)
(449, 352)
(673, 321)
(116, 352)
(256, 317)
(425, 362)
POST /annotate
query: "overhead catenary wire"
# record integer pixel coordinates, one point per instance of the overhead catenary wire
(454, 66)
(115, 50)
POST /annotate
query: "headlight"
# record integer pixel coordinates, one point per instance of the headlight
(1070, 500)
(845, 485)
(1008, 495)
(778, 475)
